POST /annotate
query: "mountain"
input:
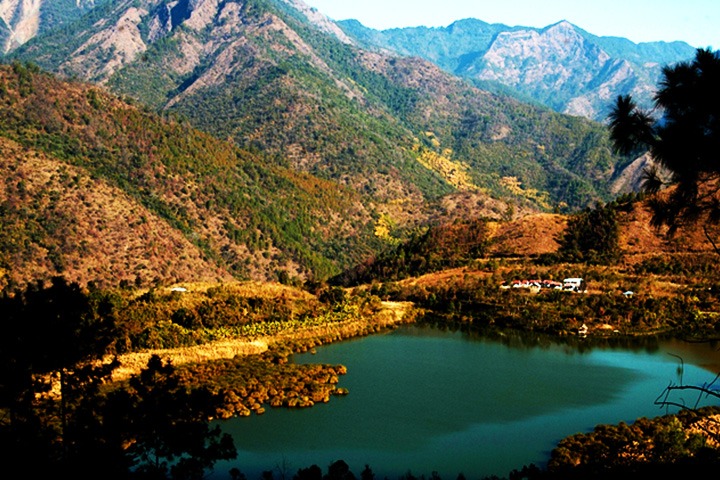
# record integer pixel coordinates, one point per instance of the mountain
(271, 143)
(60, 220)
(560, 66)
(97, 189)
(22, 20)
(278, 77)
(448, 250)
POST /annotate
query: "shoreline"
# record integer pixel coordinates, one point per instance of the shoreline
(390, 315)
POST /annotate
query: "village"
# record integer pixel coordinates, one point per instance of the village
(574, 284)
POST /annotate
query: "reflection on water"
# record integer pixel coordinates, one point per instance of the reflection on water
(425, 399)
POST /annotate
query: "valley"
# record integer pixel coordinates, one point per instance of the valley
(195, 194)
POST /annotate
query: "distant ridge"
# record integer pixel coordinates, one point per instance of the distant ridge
(560, 66)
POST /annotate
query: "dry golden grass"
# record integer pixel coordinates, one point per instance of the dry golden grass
(535, 234)
(132, 363)
(708, 427)
(528, 236)
(261, 289)
(391, 314)
(441, 277)
(638, 238)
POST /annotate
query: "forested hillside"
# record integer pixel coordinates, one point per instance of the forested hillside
(315, 155)
(276, 77)
(21, 20)
(98, 189)
(619, 233)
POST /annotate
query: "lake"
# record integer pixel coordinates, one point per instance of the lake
(425, 400)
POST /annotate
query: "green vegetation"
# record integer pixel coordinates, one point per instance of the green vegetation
(63, 412)
(254, 215)
(460, 49)
(81, 429)
(646, 447)
(97, 425)
(62, 12)
(592, 236)
(474, 300)
(440, 247)
(246, 214)
(159, 319)
(185, 177)
(311, 102)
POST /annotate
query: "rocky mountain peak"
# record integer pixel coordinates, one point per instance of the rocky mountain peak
(547, 63)
(195, 14)
(563, 27)
(122, 41)
(320, 21)
(560, 66)
(518, 56)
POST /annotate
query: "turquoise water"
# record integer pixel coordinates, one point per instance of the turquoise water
(423, 400)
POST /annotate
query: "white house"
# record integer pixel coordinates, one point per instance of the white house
(574, 285)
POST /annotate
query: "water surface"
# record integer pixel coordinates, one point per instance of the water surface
(423, 400)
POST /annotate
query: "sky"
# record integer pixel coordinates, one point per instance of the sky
(696, 22)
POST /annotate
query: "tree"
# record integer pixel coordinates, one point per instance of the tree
(591, 236)
(52, 335)
(367, 473)
(339, 470)
(312, 472)
(675, 395)
(166, 426)
(683, 141)
(58, 336)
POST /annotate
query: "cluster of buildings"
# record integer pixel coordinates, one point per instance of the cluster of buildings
(567, 285)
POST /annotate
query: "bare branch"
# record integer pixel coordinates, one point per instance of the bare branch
(712, 242)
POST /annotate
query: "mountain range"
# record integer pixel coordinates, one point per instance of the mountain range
(100, 190)
(560, 66)
(271, 141)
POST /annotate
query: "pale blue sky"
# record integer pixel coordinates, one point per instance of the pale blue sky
(696, 22)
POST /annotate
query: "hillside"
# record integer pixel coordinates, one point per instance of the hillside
(58, 219)
(280, 150)
(536, 234)
(88, 175)
(450, 249)
(97, 189)
(528, 236)
(276, 76)
(561, 66)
